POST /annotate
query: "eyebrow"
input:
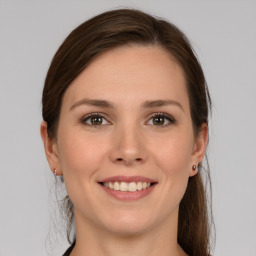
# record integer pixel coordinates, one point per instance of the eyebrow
(107, 104)
(161, 103)
(93, 102)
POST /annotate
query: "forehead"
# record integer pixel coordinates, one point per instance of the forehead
(129, 73)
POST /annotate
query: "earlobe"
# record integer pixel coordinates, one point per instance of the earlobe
(50, 147)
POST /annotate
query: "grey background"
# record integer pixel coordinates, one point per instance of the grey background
(224, 36)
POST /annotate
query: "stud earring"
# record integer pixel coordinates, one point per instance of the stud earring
(194, 167)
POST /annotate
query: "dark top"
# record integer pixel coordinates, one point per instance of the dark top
(69, 250)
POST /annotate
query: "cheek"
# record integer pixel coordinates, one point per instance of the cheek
(80, 159)
(174, 155)
(174, 159)
(80, 155)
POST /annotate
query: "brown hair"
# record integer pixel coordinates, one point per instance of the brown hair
(125, 27)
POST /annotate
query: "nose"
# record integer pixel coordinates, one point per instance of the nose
(128, 147)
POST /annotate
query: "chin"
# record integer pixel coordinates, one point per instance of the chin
(129, 225)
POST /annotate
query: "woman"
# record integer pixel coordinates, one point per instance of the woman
(125, 110)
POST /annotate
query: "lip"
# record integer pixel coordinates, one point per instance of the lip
(127, 195)
(128, 179)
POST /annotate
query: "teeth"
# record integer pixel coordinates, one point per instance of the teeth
(132, 187)
(124, 186)
(139, 185)
(116, 185)
(109, 184)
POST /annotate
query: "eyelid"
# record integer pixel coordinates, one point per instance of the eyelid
(169, 117)
(84, 118)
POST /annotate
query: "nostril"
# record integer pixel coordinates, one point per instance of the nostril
(128, 160)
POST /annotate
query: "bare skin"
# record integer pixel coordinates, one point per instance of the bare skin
(126, 114)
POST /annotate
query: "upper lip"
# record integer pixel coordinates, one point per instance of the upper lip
(128, 179)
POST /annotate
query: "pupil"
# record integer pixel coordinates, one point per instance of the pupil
(158, 120)
(96, 120)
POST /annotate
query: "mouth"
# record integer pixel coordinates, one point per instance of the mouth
(125, 186)
(128, 188)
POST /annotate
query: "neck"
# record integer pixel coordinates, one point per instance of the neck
(94, 240)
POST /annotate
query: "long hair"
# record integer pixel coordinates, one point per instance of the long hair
(132, 27)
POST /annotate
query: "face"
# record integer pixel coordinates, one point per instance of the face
(125, 143)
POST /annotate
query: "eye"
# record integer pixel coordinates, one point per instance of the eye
(161, 119)
(94, 119)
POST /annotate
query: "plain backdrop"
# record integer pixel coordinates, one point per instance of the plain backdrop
(223, 34)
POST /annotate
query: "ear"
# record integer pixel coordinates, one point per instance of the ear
(199, 147)
(51, 149)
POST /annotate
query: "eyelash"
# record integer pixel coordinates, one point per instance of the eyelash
(87, 117)
(170, 119)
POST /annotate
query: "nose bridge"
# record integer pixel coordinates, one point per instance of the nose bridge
(128, 146)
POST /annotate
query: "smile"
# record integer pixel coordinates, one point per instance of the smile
(125, 186)
(128, 188)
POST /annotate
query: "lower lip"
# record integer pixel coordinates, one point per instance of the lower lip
(128, 196)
